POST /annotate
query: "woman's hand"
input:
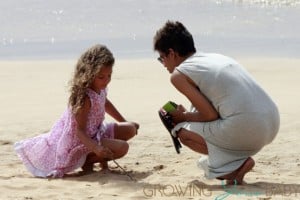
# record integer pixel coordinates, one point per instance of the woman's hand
(206, 112)
(178, 115)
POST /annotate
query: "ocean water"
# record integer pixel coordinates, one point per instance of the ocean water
(38, 29)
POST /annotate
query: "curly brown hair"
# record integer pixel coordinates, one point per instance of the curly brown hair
(87, 67)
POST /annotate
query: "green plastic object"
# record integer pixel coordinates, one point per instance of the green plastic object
(170, 106)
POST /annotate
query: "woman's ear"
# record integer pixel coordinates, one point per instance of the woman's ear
(173, 54)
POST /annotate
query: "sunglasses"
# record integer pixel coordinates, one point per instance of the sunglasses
(160, 59)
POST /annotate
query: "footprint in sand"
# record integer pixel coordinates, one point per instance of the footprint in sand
(158, 167)
(5, 142)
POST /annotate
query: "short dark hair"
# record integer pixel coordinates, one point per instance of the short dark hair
(175, 36)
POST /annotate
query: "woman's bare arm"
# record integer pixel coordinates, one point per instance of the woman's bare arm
(206, 112)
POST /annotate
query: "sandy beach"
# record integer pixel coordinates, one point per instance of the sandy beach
(34, 94)
(40, 42)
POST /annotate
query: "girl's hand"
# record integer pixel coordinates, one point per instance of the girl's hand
(103, 152)
(136, 125)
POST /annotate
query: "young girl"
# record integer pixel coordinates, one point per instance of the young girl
(80, 137)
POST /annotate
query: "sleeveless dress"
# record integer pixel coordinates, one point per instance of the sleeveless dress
(59, 151)
(249, 119)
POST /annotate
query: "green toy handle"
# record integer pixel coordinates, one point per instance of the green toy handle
(170, 106)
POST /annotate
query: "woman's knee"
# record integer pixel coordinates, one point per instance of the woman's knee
(183, 135)
(193, 141)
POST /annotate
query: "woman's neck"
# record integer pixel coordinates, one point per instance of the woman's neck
(181, 59)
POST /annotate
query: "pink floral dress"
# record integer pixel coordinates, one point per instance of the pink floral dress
(60, 151)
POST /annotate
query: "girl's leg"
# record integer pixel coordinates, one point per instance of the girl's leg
(89, 162)
(118, 147)
(193, 141)
(125, 130)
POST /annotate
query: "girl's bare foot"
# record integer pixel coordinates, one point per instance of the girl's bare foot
(104, 167)
(237, 177)
(87, 167)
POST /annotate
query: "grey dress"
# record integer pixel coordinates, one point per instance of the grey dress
(249, 119)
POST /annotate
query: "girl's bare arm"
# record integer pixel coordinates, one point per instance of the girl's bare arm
(81, 118)
(112, 111)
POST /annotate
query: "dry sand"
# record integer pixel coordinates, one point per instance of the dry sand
(34, 94)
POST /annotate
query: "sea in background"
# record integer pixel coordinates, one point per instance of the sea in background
(63, 29)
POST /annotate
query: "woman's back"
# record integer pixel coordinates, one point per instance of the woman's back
(229, 87)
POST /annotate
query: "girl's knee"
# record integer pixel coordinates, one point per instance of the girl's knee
(123, 150)
(130, 130)
(125, 130)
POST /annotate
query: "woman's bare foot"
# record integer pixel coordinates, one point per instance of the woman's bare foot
(237, 177)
